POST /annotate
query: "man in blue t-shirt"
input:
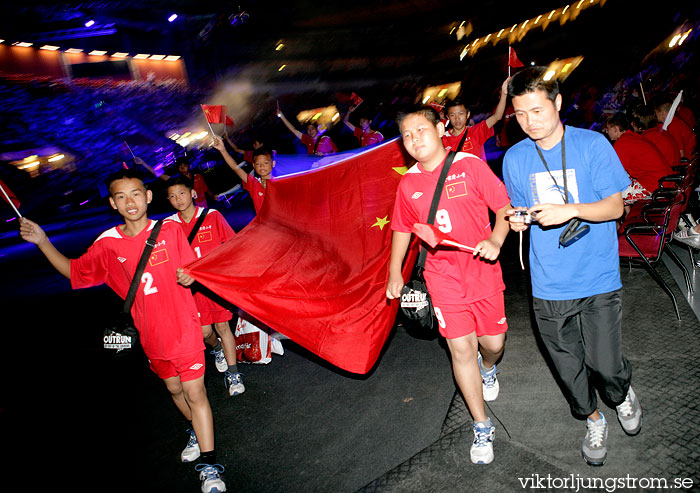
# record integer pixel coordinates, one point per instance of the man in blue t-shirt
(571, 179)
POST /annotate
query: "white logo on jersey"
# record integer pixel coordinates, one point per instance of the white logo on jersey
(260, 194)
(121, 259)
(196, 366)
(501, 321)
(416, 195)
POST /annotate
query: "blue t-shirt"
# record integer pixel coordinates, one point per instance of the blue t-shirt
(591, 265)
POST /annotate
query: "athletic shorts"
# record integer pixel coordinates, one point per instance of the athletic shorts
(189, 367)
(209, 311)
(487, 317)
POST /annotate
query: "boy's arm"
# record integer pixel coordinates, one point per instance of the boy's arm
(32, 232)
(233, 146)
(219, 146)
(501, 108)
(490, 248)
(346, 120)
(289, 125)
(141, 162)
(399, 245)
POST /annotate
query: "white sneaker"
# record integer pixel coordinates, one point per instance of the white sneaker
(594, 448)
(210, 476)
(688, 237)
(489, 382)
(234, 383)
(191, 452)
(629, 414)
(481, 451)
(220, 359)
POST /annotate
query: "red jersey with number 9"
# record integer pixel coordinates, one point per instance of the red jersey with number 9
(454, 277)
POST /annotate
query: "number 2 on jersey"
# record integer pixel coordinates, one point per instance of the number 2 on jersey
(149, 288)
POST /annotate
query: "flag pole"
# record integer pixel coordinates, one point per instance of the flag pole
(9, 201)
(127, 146)
(208, 124)
(641, 86)
(509, 48)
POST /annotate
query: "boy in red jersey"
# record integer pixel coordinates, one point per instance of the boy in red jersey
(477, 134)
(471, 315)
(679, 130)
(164, 312)
(317, 144)
(363, 133)
(213, 231)
(263, 162)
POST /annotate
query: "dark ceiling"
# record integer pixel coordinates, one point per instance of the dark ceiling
(343, 41)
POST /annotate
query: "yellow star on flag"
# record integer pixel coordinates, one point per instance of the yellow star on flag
(401, 170)
(381, 222)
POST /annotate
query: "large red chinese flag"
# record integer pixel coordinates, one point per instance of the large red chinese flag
(214, 113)
(314, 262)
(513, 60)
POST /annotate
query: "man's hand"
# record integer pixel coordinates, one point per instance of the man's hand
(218, 144)
(516, 223)
(394, 286)
(31, 231)
(183, 278)
(139, 161)
(553, 214)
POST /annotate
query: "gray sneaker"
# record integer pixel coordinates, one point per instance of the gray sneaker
(594, 448)
(629, 414)
(688, 237)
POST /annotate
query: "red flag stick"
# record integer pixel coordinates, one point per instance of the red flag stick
(9, 201)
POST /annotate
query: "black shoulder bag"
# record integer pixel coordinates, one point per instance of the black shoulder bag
(416, 305)
(120, 333)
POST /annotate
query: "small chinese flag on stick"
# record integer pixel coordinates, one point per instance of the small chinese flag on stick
(228, 121)
(513, 60)
(355, 99)
(10, 198)
(214, 113)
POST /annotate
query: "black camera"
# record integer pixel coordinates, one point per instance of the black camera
(573, 232)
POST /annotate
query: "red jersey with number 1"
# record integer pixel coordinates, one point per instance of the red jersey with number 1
(164, 312)
(454, 277)
(213, 231)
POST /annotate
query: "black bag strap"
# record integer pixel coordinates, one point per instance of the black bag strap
(150, 243)
(199, 222)
(461, 141)
(420, 263)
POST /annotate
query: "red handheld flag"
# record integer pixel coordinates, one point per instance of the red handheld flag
(355, 99)
(430, 234)
(10, 198)
(513, 60)
(436, 107)
(214, 113)
(228, 121)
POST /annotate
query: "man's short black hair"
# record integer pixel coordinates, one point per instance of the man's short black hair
(261, 151)
(121, 174)
(532, 79)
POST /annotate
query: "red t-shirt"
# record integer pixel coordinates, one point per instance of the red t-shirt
(477, 135)
(200, 186)
(684, 136)
(325, 145)
(367, 138)
(454, 277)
(256, 191)
(665, 143)
(641, 159)
(213, 232)
(164, 312)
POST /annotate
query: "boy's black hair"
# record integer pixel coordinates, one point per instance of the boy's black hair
(262, 151)
(121, 174)
(179, 180)
(455, 102)
(426, 111)
(182, 160)
(530, 80)
(619, 120)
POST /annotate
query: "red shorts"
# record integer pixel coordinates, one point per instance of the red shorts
(210, 312)
(188, 368)
(487, 317)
